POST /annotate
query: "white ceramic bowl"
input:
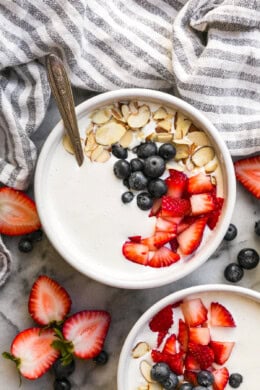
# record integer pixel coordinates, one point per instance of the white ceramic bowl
(244, 305)
(62, 179)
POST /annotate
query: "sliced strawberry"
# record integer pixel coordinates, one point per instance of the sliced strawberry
(190, 239)
(222, 350)
(174, 244)
(157, 240)
(221, 377)
(191, 363)
(175, 361)
(48, 301)
(18, 214)
(185, 223)
(199, 335)
(220, 316)
(175, 220)
(163, 320)
(32, 352)
(163, 257)
(156, 207)
(248, 174)
(136, 239)
(172, 207)
(199, 183)
(87, 330)
(202, 353)
(191, 377)
(170, 345)
(195, 313)
(176, 183)
(163, 225)
(183, 335)
(138, 253)
(202, 203)
(213, 217)
(160, 337)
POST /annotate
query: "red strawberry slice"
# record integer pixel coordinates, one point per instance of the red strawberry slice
(221, 377)
(213, 217)
(157, 240)
(185, 223)
(176, 183)
(48, 301)
(202, 203)
(172, 207)
(136, 239)
(191, 377)
(138, 253)
(222, 350)
(18, 214)
(156, 207)
(190, 239)
(174, 244)
(191, 363)
(199, 183)
(199, 335)
(183, 335)
(170, 345)
(160, 337)
(163, 225)
(202, 353)
(87, 330)
(163, 320)
(220, 316)
(248, 174)
(195, 313)
(163, 257)
(175, 361)
(32, 352)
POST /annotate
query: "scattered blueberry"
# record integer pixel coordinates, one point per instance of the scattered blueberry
(35, 236)
(62, 384)
(257, 228)
(154, 166)
(248, 258)
(101, 358)
(119, 152)
(235, 380)
(144, 201)
(231, 233)
(167, 151)
(122, 169)
(127, 197)
(205, 378)
(126, 183)
(63, 371)
(200, 388)
(138, 181)
(160, 372)
(233, 273)
(157, 188)
(136, 165)
(134, 150)
(171, 382)
(146, 149)
(186, 386)
(25, 245)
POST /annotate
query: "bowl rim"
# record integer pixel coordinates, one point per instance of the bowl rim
(137, 93)
(169, 299)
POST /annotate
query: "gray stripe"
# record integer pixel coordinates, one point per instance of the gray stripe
(246, 143)
(153, 9)
(228, 22)
(235, 42)
(232, 57)
(228, 74)
(23, 46)
(240, 126)
(180, 55)
(16, 92)
(175, 4)
(10, 143)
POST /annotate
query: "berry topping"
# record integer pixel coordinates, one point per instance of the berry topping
(220, 378)
(175, 362)
(233, 272)
(191, 377)
(190, 238)
(146, 149)
(136, 165)
(62, 384)
(205, 378)
(137, 181)
(199, 184)
(154, 166)
(248, 174)
(220, 316)
(160, 371)
(101, 358)
(167, 151)
(170, 344)
(157, 188)
(62, 370)
(163, 257)
(213, 217)
(222, 350)
(183, 335)
(176, 183)
(157, 240)
(173, 207)
(202, 353)
(163, 320)
(191, 363)
(248, 258)
(127, 197)
(199, 335)
(122, 169)
(202, 203)
(118, 151)
(231, 233)
(163, 225)
(171, 382)
(195, 313)
(25, 245)
(235, 380)
(257, 228)
(144, 201)
(138, 253)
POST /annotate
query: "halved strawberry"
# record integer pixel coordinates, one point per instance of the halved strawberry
(199, 335)
(170, 344)
(213, 216)
(172, 207)
(48, 301)
(221, 377)
(191, 363)
(190, 239)
(191, 377)
(32, 352)
(176, 183)
(163, 257)
(156, 207)
(248, 174)
(185, 223)
(18, 214)
(87, 330)
(202, 353)
(163, 225)
(183, 335)
(199, 183)
(202, 203)
(195, 313)
(157, 240)
(220, 316)
(175, 361)
(136, 239)
(222, 350)
(138, 253)
(163, 320)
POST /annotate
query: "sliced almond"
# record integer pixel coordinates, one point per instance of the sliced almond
(125, 111)
(193, 128)
(67, 144)
(90, 143)
(116, 113)
(211, 166)
(203, 155)
(143, 387)
(110, 133)
(127, 138)
(145, 369)
(155, 386)
(101, 116)
(189, 165)
(182, 151)
(103, 157)
(171, 111)
(164, 137)
(161, 113)
(152, 137)
(140, 118)
(165, 124)
(96, 153)
(172, 164)
(140, 349)
(198, 138)
(213, 180)
(182, 141)
(89, 128)
(182, 125)
(133, 107)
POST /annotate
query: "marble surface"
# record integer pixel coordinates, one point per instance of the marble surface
(125, 306)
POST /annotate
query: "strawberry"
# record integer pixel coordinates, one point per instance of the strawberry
(136, 239)
(202, 203)
(176, 183)
(183, 335)
(220, 316)
(174, 361)
(195, 313)
(157, 240)
(172, 207)
(222, 350)
(199, 335)
(48, 301)
(162, 225)
(18, 214)
(163, 320)
(191, 377)
(199, 183)
(202, 353)
(160, 337)
(32, 352)
(214, 215)
(221, 377)
(248, 174)
(163, 257)
(190, 238)
(170, 345)
(156, 207)
(87, 330)
(191, 363)
(174, 244)
(185, 223)
(138, 253)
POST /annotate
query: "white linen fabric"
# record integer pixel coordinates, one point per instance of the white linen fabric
(204, 51)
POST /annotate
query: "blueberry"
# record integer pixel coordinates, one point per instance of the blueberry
(144, 201)
(25, 245)
(248, 258)
(157, 188)
(233, 272)
(171, 382)
(257, 228)
(235, 380)
(154, 166)
(146, 149)
(205, 378)
(101, 358)
(231, 233)
(62, 384)
(35, 236)
(127, 197)
(134, 150)
(63, 371)
(122, 169)
(138, 181)
(126, 183)
(136, 165)
(160, 372)
(186, 386)
(200, 388)
(119, 152)
(167, 151)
